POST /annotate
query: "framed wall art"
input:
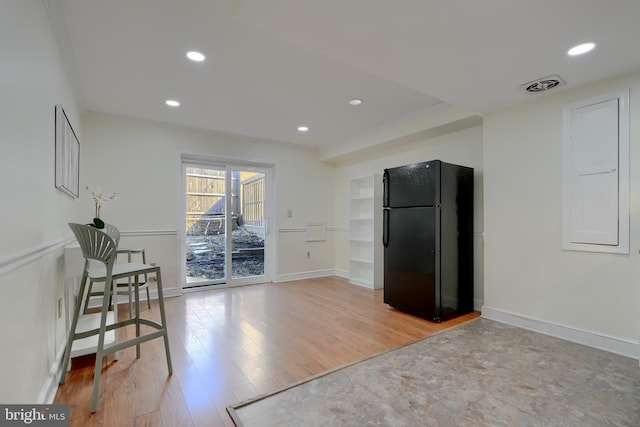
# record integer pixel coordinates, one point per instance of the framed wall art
(67, 155)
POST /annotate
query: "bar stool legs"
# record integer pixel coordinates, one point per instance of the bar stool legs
(100, 246)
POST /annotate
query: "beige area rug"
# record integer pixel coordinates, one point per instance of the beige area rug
(481, 373)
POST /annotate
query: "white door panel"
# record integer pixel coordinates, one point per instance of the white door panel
(595, 174)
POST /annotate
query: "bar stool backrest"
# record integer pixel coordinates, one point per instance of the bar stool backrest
(113, 232)
(96, 244)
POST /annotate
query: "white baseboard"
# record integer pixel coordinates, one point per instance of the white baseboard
(50, 387)
(611, 344)
(166, 293)
(341, 273)
(363, 284)
(308, 275)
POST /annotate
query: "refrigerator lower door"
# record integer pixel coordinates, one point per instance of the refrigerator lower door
(410, 261)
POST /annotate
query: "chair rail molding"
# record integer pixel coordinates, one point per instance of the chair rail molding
(25, 256)
(148, 232)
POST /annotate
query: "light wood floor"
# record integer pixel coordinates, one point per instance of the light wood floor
(229, 345)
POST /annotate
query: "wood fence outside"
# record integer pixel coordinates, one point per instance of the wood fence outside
(206, 187)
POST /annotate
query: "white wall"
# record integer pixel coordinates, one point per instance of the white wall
(34, 213)
(142, 160)
(587, 297)
(462, 147)
(527, 279)
(139, 158)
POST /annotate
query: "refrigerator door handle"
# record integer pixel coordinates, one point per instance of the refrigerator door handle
(385, 227)
(385, 186)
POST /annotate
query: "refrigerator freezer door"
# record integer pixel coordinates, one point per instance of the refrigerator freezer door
(412, 185)
(410, 261)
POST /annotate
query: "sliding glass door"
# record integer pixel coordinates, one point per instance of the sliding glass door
(225, 224)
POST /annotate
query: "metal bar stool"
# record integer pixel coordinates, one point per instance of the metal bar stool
(123, 288)
(102, 246)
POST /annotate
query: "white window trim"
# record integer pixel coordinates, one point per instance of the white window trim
(623, 177)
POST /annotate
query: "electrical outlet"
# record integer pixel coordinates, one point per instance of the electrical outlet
(308, 255)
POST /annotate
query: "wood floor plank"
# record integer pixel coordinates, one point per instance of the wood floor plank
(152, 419)
(233, 344)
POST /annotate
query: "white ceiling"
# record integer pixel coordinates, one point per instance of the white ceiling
(275, 64)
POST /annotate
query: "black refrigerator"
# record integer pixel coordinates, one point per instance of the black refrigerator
(428, 239)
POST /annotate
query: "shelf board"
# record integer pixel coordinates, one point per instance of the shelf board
(361, 240)
(365, 215)
(90, 344)
(361, 281)
(361, 260)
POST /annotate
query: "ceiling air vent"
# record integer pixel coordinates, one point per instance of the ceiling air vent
(545, 83)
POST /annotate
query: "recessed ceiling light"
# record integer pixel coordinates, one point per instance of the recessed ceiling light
(195, 56)
(355, 102)
(581, 49)
(303, 128)
(172, 103)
